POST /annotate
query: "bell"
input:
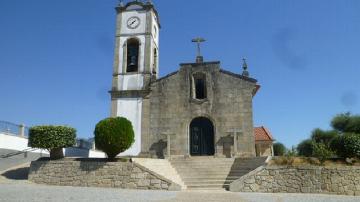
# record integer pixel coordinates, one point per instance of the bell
(132, 61)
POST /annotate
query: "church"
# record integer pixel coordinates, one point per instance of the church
(199, 110)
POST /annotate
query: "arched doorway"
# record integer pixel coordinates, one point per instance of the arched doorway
(201, 137)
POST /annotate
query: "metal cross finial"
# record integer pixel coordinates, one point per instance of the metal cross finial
(245, 67)
(244, 64)
(198, 40)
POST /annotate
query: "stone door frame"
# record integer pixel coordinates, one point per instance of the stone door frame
(189, 134)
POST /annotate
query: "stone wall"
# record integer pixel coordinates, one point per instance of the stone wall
(306, 179)
(91, 173)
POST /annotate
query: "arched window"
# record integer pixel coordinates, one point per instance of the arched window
(199, 90)
(155, 60)
(132, 64)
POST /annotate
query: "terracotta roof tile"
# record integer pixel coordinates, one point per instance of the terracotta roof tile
(262, 134)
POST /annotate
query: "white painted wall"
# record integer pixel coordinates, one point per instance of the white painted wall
(96, 154)
(128, 14)
(131, 82)
(131, 108)
(16, 143)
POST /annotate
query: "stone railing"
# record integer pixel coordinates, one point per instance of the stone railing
(97, 173)
(344, 180)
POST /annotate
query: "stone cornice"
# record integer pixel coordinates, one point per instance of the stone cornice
(129, 93)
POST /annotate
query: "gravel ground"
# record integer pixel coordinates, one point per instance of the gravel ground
(22, 190)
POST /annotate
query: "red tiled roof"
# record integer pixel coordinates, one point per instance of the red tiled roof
(262, 134)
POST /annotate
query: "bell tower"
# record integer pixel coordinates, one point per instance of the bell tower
(136, 62)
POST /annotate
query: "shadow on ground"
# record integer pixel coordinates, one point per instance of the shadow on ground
(17, 174)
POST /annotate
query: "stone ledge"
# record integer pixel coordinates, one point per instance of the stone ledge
(92, 173)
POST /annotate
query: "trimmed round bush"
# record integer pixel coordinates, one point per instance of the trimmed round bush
(114, 135)
(52, 138)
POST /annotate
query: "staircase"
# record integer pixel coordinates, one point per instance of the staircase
(213, 173)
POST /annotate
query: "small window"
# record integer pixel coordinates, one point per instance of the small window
(132, 55)
(199, 90)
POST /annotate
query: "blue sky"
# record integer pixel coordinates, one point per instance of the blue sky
(56, 57)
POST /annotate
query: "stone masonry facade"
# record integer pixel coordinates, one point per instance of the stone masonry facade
(304, 179)
(170, 107)
(125, 175)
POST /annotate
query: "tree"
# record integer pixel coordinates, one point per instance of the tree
(341, 121)
(305, 148)
(279, 149)
(114, 135)
(346, 123)
(322, 136)
(52, 138)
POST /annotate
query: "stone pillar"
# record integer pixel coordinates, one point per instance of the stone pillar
(93, 147)
(236, 132)
(168, 139)
(235, 144)
(22, 130)
(168, 145)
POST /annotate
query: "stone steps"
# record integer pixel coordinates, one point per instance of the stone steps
(204, 173)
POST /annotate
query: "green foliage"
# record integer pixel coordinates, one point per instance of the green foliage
(322, 151)
(291, 152)
(279, 149)
(352, 144)
(340, 122)
(347, 145)
(346, 123)
(321, 136)
(52, 138)
(305, 148)
(114, 135)
(337, 145)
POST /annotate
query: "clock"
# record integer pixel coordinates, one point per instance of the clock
(133, 22)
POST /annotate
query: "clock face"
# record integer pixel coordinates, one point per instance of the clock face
(133, 22)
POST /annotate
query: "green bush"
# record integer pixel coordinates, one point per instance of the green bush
(52, 138)
(337, 145)
(347, 145)
(114, 135)
(352, 145)
(305, 148)
(322, 151)
(279, 149)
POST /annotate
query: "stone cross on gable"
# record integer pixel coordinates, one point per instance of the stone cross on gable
(198, 40)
